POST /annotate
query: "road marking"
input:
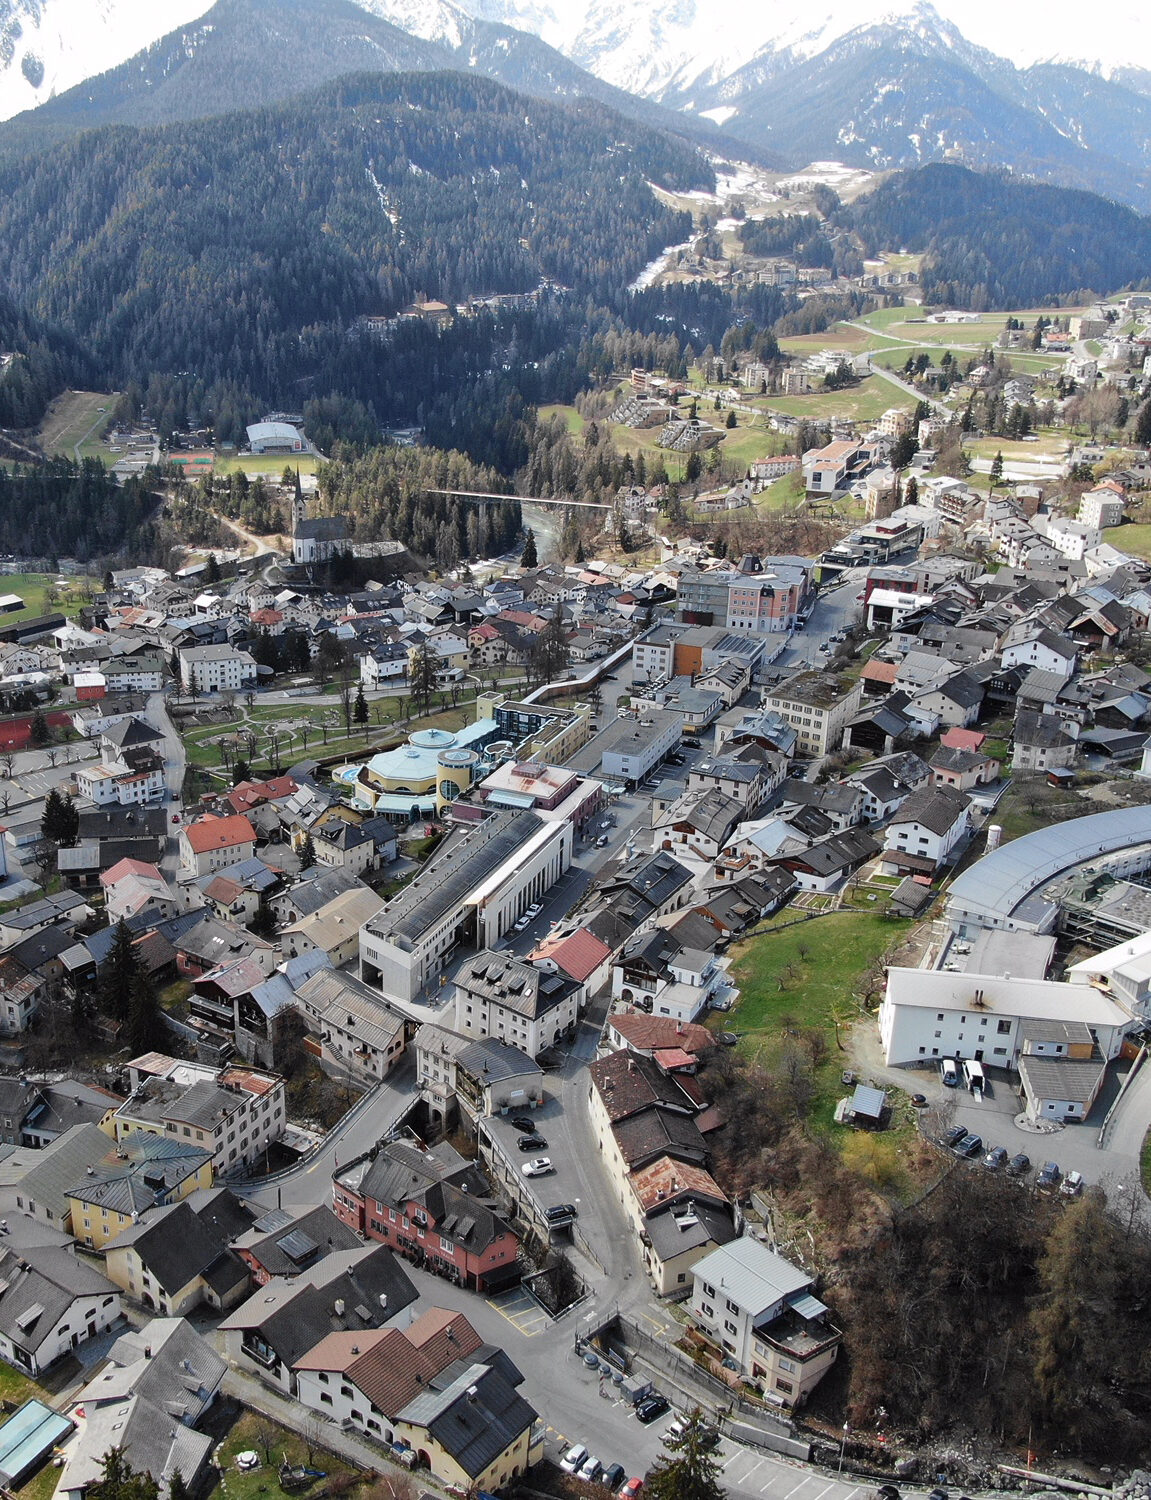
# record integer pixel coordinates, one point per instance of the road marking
(798, 1486)
(825, 1489)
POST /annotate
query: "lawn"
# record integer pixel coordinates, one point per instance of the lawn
(201, 741)
(17, 1388)
(863, 402)
(252, 1432)
(1135, 538)
(809, 976)
(42, 1485)
(75, 418)
(575, 423)
(41, 595)
(268, 464)
(806, 974)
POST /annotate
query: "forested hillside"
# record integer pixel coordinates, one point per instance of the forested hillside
(993, 241)
(241, 248)
(43, 362)
(62, 509)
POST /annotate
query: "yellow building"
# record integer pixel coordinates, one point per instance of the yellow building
(422, 777)
(146, 1170)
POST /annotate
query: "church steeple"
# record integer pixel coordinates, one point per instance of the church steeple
(299, 506)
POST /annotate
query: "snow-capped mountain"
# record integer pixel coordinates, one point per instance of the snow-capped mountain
(46, 46)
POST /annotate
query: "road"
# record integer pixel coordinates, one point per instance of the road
(259, 544)
(310, 1183)
(175, 762)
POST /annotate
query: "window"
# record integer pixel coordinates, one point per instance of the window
(784, 1385)
(325, 1398)
(707, 1309)
(1003, 1028)
(730, 1326)
(788, 1366)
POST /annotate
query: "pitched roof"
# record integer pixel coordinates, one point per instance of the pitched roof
(578, 954)
(646, 1033)
(219, 833)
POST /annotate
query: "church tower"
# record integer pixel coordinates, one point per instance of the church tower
(299, 507)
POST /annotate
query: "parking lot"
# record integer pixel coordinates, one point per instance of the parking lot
(522, 1311)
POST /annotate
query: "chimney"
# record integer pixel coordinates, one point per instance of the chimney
(147, 1351)
(338, 1307)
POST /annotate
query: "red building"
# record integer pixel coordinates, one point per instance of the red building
(425, 1204)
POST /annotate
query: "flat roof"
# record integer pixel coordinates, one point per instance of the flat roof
(1002, 996)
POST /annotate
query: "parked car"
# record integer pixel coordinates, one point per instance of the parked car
(534, 910)
(953, 1135)
(996, 1158)
(971, 1145)
(532, 1142)
(540, 1167)
(887, 1492)
(523, 1122)
(589, 1470)
(574, 1459)
(1018, 1165)
(631, 1489)
(1049, 1175)
(1072, 1184)
(521, 924)
(652, 1407)
(601, 842)
(613, 1476)
(561, 1211)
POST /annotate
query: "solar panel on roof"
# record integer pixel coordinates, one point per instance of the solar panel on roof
(272, 1221)
(297, 1246)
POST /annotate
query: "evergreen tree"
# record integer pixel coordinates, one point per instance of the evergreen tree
(38, 731)
(118, 976)
(996, 469)
(212, 572)
(241, 771)
(307, 852)
(423, 675)
(730, 420)
(693, 468)
(360, 707)
(53, 819)
(1143, 425)
(687, 1470)
(120, 1481)
(263, 923)
(146, 1031)
(529, 558)
(69, 820)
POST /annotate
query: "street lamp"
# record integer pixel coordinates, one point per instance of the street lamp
(842, 1445)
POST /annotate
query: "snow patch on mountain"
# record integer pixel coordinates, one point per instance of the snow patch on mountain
(47, 46)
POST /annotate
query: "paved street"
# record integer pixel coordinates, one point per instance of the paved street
(310, 1183)
(175, 761)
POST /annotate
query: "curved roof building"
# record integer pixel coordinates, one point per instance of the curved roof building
(1005, 888)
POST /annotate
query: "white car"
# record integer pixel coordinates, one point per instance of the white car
(590, 1469)
(574, 1459)
(533, 911)
(539, 1166)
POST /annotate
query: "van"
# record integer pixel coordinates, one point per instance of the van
(949, 1073)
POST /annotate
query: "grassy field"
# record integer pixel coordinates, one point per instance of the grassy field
(71, 419)
(1135, 538)
(252, 1432)
(268, 464)
(575, 422)
(808, 976)
(41, 595)
(863, 402)
(201, 742)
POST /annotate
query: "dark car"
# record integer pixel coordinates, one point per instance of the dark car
(560, 1211)
(532, 1143)
(652, 1407)
(953, 1135)
(613, 1477)
(1049, 1175)
(1018, 1165)
(970, 1145)
(521, 1122)
(887, 1492)
(995, 1158)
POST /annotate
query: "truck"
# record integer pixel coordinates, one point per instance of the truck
(974, 1078)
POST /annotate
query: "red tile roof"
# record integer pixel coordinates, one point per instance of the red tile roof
(578, 955)
(963, 739)
(219, 833)
(124, 867)
(648, 1033)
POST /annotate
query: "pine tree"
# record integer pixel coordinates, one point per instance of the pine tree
(307, 852)
(120, 1481)
(529, 558)
(263, 923)
(38, 731)
(423, 675)
(118, 974)
(241, 771)
(52, 819)
(146, 1031)
(996, 469)
(688, 1470)
(730, 420)
(69, 820)
(360, 707)
(212, 572)
(1143, 425)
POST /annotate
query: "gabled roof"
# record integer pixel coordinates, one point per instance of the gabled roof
(579, 954)
(936, 808)
(219, 833)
